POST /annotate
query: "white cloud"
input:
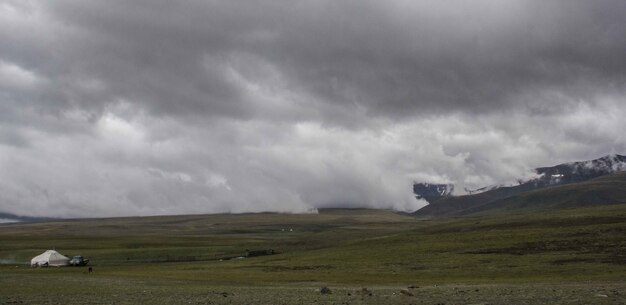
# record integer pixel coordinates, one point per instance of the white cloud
(141, 108)
(13, 76)
(121, 170)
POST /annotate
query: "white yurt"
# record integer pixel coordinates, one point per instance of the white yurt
(49, 258)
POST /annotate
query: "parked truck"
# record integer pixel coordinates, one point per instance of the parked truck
(78, 261)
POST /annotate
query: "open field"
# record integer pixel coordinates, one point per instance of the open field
(572, 256)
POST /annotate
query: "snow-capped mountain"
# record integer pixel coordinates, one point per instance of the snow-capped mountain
(576, 184)
(565, 173)
(579, 171)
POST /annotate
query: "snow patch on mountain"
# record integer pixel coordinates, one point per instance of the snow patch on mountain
(482, 189)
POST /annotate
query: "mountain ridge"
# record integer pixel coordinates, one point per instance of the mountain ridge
(12, 218)
(578, 179)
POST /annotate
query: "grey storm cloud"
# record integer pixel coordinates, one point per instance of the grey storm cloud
(160, 107)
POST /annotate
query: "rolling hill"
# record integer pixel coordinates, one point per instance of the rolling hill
(10, 218)
(603, 190)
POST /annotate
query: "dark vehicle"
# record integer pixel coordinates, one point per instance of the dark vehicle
(78, 261)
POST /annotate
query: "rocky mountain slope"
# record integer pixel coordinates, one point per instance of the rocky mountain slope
(431, 191)
(599, 181)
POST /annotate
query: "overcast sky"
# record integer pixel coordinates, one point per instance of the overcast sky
(147, 107)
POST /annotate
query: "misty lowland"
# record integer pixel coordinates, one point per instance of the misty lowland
(559, 241)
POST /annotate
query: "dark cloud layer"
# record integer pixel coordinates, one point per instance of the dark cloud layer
(149, 107)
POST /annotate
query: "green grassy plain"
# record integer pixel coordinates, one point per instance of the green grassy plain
(570, 256)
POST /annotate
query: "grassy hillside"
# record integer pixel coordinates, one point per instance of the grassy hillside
(609, 189)
(604, 190)
(152, 259)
